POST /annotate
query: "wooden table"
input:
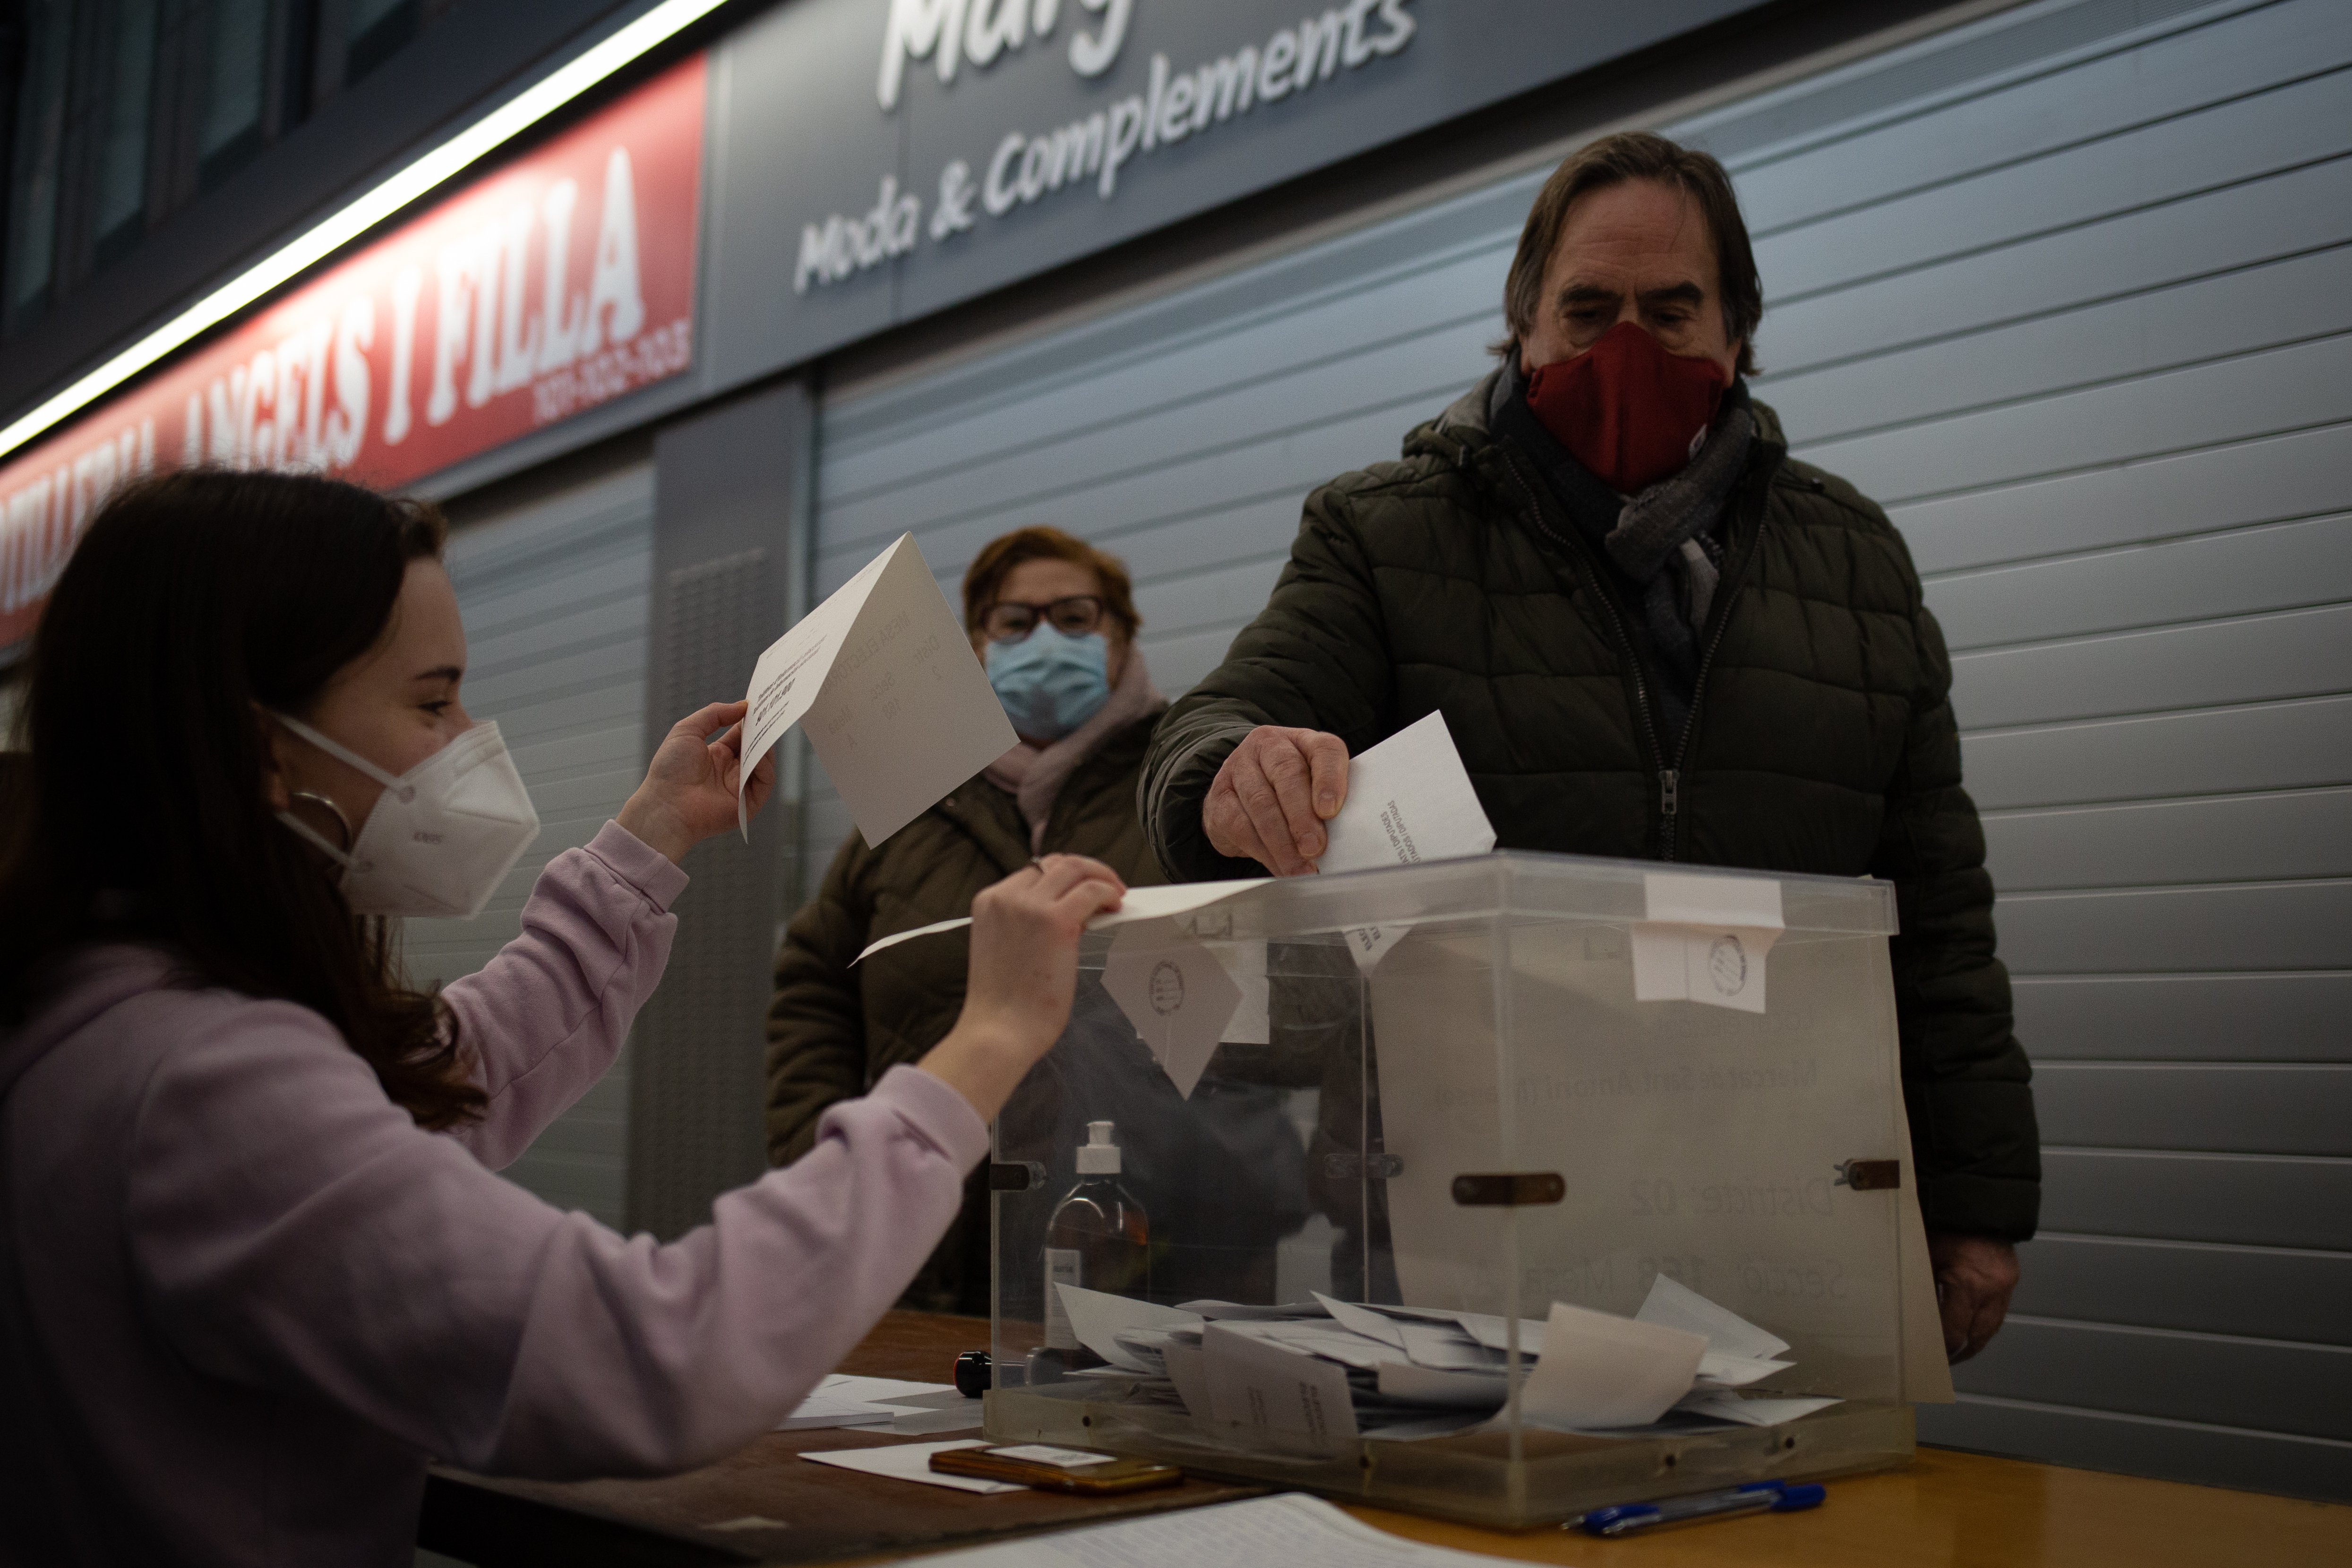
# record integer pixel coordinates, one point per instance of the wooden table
(1948, 1510)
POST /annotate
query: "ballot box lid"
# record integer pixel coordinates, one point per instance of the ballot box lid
(1527, 886)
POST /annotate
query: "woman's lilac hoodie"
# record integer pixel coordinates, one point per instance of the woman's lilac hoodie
(243, 1298)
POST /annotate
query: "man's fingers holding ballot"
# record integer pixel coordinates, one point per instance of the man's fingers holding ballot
(1273, 795)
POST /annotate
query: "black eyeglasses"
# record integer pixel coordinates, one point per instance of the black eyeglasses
(1007, 621)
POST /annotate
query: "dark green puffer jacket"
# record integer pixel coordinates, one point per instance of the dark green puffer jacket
(1821, 737)
(834, 1030)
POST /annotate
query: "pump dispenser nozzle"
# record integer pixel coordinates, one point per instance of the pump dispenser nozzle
(1098, 1155)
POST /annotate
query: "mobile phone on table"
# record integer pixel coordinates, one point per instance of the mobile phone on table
(1052, 1469)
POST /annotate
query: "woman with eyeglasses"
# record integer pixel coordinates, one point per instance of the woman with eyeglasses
(255, 1265)
(1054, 620)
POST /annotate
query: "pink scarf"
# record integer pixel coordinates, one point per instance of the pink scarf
(1033, 775)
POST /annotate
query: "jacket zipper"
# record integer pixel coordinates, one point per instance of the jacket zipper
(1616, 627)
(1670, 780)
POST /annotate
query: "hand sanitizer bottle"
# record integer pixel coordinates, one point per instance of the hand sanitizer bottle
(1099, 1239)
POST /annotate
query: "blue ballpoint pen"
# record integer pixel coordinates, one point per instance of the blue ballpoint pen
(1760, 1497)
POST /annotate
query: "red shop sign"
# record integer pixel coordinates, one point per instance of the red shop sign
(561, 281)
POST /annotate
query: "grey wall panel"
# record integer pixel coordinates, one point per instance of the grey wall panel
(2257, 394)
(2254, 1200)
(2297, 122)
(2255, 658)
(2304, 297)
(2236, 838)
(2267, 746)
(2298, 209)
(2268, 1293)
(2104, 88)
(2230, 485)
(2247, 571)
(2137, 1445)
(2291, 926)
(2264, 1108)
(2185, 1018)
(553, 599)
(2265, 1384)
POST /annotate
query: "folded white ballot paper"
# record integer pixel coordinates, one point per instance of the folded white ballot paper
(1282, 1399)
(1598, 1370)
(1099, 1318)
(1409, 799)
(1140, 904)
(1705, 939)
(882, 678)
(1175, 993)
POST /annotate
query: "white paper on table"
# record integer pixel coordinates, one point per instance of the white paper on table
(1285, 1398)
(1175, 994)
(1598, 1370)
(883, 680)
(1140, 904)
(1409, 799)
(1752, 1412)
(1363, 1321)
(1677, 1306)
(1458, 1390)
(1097, 1318)
(842, 1400)
(962, 1416)
(1060, 1459)
(1705, 939)
(912, 1462)
(1292, 1529)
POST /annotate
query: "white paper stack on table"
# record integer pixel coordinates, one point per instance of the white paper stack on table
(1311, 1378)
(890, 1404)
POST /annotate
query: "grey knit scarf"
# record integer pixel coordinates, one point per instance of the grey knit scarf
(1664, 538)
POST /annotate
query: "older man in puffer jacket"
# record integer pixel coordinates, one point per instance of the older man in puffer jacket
(1653, 634)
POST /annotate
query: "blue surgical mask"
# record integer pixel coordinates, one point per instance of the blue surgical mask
(1050, 683)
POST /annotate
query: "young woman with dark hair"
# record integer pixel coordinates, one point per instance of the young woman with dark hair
(254, 1267)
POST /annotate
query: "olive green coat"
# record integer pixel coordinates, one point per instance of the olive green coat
(834, 1030)
(1821, 737)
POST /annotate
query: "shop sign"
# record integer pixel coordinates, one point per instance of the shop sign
(563, 280)
(882, 159)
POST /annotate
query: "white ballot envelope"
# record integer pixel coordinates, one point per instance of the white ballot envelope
(1409, 799)
(1140, 904)
(883, 679)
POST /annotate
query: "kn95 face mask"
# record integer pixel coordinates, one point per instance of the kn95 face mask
(441, 837)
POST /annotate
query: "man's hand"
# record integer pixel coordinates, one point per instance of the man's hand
(1273, 796)
(1974, 1277)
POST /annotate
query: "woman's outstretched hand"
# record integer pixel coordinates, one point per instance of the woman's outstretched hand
(689, 788)
(1025, 971)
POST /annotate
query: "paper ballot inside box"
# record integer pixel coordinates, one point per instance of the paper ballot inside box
(882, 679)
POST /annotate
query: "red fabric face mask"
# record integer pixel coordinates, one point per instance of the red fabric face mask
(1626, 408)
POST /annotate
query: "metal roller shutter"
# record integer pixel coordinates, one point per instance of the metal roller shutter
(2069, 289)
(554, 599)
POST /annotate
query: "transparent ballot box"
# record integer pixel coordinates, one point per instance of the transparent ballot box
(1496, 1188)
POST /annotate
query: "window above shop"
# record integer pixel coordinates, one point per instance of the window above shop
(116, 113)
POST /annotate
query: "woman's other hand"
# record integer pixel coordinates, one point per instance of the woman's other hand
(1023, 973)
(689, 788)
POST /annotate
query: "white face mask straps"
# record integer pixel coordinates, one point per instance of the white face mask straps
(344, 754)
